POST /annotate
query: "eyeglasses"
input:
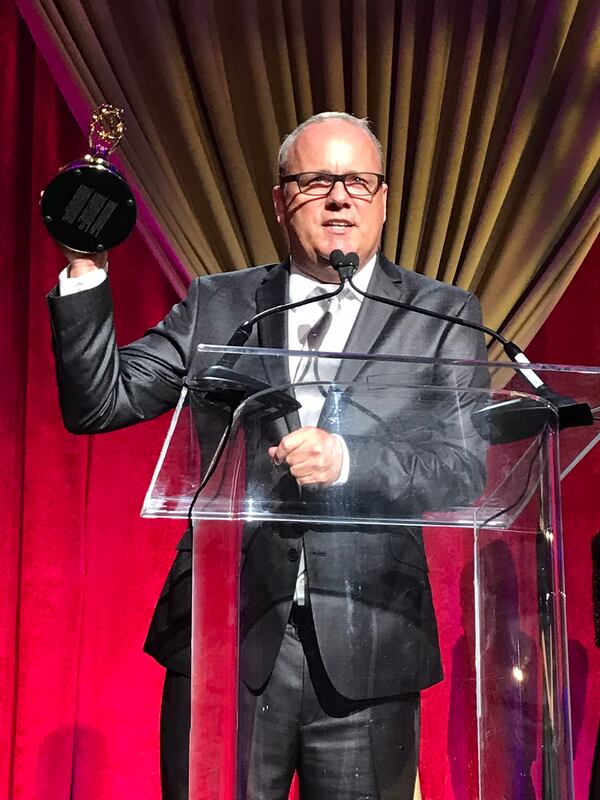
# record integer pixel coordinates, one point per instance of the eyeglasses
(319, 184)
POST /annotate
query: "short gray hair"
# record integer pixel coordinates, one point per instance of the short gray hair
(325, 116)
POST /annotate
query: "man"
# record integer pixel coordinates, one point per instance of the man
(338, 641)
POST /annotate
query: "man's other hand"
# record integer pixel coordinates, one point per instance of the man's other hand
(80, 263)
(312, 455)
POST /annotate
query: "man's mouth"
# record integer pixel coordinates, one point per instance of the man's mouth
(338, 224)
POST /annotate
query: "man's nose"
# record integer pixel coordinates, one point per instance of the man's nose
(338, 194)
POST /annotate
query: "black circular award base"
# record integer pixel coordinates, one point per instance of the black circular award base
(88, 207)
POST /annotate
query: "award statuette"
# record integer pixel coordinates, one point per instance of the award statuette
(89, 207)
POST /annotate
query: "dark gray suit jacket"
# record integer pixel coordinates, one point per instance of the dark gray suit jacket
(369, 591)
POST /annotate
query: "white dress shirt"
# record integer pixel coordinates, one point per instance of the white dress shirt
(344, 309)
(88, 280)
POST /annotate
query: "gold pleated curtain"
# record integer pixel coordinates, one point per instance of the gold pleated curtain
(488, 111)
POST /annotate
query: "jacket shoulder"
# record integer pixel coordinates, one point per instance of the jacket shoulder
(416, 285)
(243, 277)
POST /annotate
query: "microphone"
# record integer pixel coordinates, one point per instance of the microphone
(344, 264)
(502, 422)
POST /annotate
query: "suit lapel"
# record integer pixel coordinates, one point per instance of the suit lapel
(272, 331)
(372, 318)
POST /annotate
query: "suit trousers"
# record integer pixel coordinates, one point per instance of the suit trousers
(342, 749)
(175, 736)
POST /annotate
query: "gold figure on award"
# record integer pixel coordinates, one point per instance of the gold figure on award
(89, 207)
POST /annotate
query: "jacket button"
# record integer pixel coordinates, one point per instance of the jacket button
(293, 554)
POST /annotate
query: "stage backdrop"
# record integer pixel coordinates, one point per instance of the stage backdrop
(80, 571)
(487, 112)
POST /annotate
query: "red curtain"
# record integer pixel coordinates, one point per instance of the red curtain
(571, 335)
(80, 571)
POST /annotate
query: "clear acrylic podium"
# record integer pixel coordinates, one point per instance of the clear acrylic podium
(452, 484)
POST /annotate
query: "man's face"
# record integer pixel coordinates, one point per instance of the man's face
(317, 225)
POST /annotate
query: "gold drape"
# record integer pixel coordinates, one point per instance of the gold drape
(487, 111)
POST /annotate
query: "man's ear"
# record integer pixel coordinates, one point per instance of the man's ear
(384, 189)
(278, 203)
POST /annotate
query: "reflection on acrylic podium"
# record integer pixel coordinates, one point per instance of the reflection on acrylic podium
(442, 491)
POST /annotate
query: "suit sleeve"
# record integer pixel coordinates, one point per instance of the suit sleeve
(103, 387)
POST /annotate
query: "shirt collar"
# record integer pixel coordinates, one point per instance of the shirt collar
(301, 285)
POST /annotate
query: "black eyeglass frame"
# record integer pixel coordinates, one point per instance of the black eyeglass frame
(283, 179)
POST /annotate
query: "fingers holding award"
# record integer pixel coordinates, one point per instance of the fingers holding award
(88, 207)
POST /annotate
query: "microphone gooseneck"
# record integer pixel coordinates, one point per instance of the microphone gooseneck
(347, 264)
(500, 422)
(511, 424)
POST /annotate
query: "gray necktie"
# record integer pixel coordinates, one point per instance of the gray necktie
(312, 368)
